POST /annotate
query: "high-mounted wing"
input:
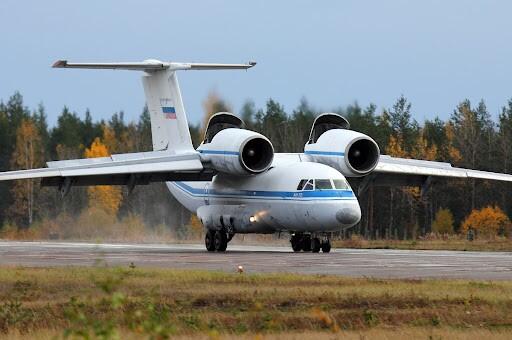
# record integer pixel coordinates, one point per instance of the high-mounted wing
(124, 169)
(402, 166)
(392, 171)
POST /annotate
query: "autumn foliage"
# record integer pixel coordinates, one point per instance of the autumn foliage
(443, 222)
(103, 197)
(28, 154)
(487, 222)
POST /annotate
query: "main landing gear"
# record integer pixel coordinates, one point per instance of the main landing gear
(217, 240)
(305, 242)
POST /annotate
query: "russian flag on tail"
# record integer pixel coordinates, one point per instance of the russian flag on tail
(169, 112)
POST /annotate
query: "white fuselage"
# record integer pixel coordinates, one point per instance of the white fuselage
(272, 202)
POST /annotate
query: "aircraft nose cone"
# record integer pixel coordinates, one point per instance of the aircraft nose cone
(348, 216)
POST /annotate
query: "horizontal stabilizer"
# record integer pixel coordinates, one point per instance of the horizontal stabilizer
(152, 65)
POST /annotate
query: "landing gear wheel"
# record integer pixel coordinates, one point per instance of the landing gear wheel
(315, 245)
(296, 242)
(306, 243)
(220, 241)
(326, 246)
(209, 240)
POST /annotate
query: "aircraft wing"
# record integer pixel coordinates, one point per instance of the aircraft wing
(414, 167)
(392, 171)
(124, 169)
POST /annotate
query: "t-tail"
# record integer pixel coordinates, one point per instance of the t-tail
(169, 125)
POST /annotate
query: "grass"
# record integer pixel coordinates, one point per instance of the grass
(449, 243)
(133, 302)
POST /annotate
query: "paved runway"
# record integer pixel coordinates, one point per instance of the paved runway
(382, 263)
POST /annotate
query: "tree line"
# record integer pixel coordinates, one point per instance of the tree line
(469, 138)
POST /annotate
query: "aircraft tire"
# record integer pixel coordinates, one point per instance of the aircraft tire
(315, 245)
(296, 243)
(209, 240)
(306, 243)
(326, 246)
(220, 241)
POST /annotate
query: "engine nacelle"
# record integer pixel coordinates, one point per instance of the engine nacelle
(352, 153)
(238, 152)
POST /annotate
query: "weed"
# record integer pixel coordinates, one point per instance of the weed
(12, 313)
(160, 303)
(370, 318)
(436, 320)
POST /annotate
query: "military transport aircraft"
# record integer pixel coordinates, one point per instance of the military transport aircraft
(234, 181)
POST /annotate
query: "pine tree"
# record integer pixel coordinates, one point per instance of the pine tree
(274, 124)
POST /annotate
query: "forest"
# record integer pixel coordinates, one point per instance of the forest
(469, 138)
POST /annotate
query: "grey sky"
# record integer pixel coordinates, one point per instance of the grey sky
(436, 53)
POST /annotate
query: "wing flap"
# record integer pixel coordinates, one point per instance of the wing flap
(126, 164)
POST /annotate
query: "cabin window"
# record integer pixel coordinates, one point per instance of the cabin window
(301, 184)
(309, 185)
(340, 184)
(323, 184)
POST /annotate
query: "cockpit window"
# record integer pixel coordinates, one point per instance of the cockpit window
(323, 184)
(340, 184)
(309, 185)
(301, 184)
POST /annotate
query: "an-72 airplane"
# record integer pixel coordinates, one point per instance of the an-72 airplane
(234, 181)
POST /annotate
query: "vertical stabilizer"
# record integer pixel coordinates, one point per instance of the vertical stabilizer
(169, 125)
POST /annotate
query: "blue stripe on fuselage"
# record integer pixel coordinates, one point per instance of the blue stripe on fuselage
(325, 153)
(258, 194)
(218, 152)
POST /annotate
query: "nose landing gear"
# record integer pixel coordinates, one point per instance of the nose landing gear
(307, 243)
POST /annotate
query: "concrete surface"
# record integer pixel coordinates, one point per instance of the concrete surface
(381, 263)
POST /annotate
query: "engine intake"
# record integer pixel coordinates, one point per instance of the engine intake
(257, 155)
(352, 153)
(362, 155)
(238, 152)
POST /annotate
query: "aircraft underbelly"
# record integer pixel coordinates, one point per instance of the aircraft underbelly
(261, 215)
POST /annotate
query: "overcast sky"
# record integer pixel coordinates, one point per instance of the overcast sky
(436, 53)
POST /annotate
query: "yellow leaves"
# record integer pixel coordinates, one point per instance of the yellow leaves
(395, 147)
(109, 139)
(443, 222)
(420, 150)
(28, 154)
(107, 198)
(453, 153)
(488, 221)
(423, 151)
(211, 105)
(195, 225)
(97, 149)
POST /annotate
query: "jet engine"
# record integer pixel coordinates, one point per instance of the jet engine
(352, 153)
(238, 152)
